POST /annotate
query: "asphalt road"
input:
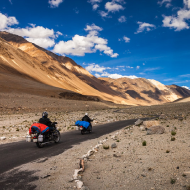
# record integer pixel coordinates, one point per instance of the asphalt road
(18, 153)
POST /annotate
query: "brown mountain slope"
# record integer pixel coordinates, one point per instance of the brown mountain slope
(145, 92)
(14, 61)
(60, 65)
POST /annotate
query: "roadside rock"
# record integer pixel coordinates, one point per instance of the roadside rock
(2, 138)
(85, 188)
(162, 116)
(187, 173)
(138, 122)
(151, 123)
(142, 128)
(155, 130)
(114, 145)
(79, 184)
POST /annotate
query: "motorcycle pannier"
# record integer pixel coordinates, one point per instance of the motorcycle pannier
(40, 138)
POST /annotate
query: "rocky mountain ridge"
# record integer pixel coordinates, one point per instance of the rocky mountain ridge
(26, 60)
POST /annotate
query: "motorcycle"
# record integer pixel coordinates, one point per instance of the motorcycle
(84, 129)
(47, 137)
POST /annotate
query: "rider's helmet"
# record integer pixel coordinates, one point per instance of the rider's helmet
(45, 114)
(86, 114)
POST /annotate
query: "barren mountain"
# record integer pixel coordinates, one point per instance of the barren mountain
(26, 60)
(26, 67)
(145, 91)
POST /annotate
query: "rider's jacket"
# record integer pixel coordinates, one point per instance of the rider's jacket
(86, 118)
(45, 121)
(39, 128)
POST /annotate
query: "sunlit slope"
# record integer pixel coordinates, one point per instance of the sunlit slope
(15, 61)
(146, 92)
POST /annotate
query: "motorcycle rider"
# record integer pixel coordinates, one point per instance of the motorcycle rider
(46, 121)
(87, 118)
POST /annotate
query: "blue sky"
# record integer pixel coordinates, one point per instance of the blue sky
(110, 38)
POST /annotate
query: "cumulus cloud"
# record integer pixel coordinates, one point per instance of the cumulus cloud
(55, 3)
(104, 14)
(93, 27)
(113, 6)
(138, 67)
(39, 35)
(166, 2)
(7, 21)
(42, 42)
(96, 68)
(143, 26)
(127, 40)
(79, 45)
(95, 4)
(179, 22)
(186, 3)
(33, 32)
(122, 19)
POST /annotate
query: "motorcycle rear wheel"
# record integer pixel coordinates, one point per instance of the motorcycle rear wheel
(39, 144)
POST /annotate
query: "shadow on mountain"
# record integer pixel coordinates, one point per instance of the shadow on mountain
(75, 96)
(135, 95)
(18, 180)
(154, 95)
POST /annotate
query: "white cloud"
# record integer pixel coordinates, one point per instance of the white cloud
(166, 2)
(95, 4)
(42, 42)
(127, 40)
(144, 26)
(122, 19)
(79, 45)
(96, 68)
(187, 75)
(143, 63)
(10, 1)
(129, 67)
(39, 35)
(97, 75)
(94, 1)
(168, 79)
(186, 87)
(55, 3)
(113, 6)
(187, 3)
(178, 23)
(117, 76)
(6, 21)
(138, 67)
(152, 69)
(103, 14)
(93, 27)
(33, 32)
